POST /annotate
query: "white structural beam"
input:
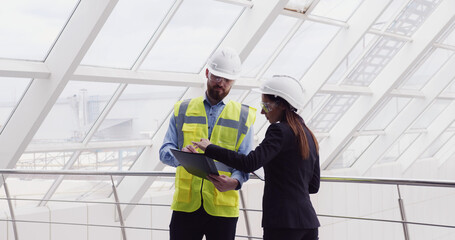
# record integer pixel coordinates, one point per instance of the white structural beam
(23, 69)
(337, 89)
(243, 36)
(252, 25)
(382, 85)
(112, 75)
(70, 147)
(62, 61)
(434, 131)
(334, 54)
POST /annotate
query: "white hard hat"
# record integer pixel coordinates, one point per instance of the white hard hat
(225, 63)
(285, 87)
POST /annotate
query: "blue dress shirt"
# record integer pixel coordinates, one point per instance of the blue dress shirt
(170, 140)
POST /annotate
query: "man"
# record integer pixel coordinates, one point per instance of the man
(201, 207)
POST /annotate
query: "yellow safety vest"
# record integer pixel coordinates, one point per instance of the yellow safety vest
(229, 131)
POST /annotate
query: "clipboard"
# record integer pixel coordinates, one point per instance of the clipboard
(196, 163)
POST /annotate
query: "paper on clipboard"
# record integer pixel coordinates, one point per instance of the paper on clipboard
(196, 163)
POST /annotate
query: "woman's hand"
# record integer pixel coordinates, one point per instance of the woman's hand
(202, 144)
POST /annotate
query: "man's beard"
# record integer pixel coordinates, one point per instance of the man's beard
(216, 95)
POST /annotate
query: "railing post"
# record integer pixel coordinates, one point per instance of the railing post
(119, 209)
(245, 213)
(403, 214)
(11, 210)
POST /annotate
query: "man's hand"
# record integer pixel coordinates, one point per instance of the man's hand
(223, 183)
(189, 148)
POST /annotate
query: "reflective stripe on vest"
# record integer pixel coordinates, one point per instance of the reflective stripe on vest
(229, 132)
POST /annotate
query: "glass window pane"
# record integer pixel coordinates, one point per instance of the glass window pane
(192, 35)
(431, 113)
(95, 187)
(11, 92)
(390, 110)
(126, 33)
(352, 152)
(450, 39)
(234, 95)
(29, 187)
(315, 104)
(84, 188)
(399, 147)
(372, 63)
(358, 51)
(412, 17)
(107, 159)
(303, 49)
(437, 144)
(267, 45)
(138, 113)
(76, 110)
(29, 28)
(424, 72)
(391, 11)
(44, 160)
(336, 9)
(332, 111)
(450, 89)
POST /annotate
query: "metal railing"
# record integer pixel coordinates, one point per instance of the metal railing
(117, 203)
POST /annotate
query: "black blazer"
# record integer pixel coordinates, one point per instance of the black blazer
(289, 179)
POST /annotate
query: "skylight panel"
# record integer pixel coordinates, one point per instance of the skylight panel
(451, 88)
(373, 62)
(437, 144)
(352, 58)
(385, 115)
(193, 34)
(28, 28)
(390, 13)
(316, 103)
(303, 49)
(11, 92)
(450, 39)
(427, 69)
(399, 147)
(354, 149)
(267, 45)
(138, 113)
(76, 110)
(412, 16)
(126, 33)
(431, 113)
(335, 9)
(331, 112)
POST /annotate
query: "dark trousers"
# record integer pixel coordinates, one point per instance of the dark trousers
(192, 226)
(290, 234)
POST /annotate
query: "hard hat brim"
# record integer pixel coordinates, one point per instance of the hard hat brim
(223, 75)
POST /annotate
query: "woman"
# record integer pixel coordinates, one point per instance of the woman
(289, 154)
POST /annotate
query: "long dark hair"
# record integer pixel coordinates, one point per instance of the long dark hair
(297, 125)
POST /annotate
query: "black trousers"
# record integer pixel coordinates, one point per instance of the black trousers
(193, 226)
(290, 234)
